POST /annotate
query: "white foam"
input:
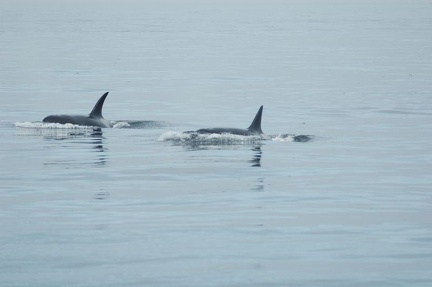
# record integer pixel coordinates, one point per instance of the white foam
(173, 136)
(42, 125)
(120, 125)
(291, 138)
(282, 138)
(216, 139)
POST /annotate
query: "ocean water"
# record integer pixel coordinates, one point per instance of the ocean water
(144, 204)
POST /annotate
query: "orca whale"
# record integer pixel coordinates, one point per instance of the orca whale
(95, 117)
(253, 129)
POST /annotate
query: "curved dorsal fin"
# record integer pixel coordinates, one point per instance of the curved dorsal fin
(97, 109)
(256, 123)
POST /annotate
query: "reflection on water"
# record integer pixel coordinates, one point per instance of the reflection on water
(192, 141)
(101, 195)
(71, 140)
(256, 159)
(259, 185)
(96, 140)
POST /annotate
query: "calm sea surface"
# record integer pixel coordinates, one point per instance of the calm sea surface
(142, 204)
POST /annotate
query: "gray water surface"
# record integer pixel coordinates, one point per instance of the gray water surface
(140, 205)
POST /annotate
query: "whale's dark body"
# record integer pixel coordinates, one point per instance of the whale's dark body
(95, 117)
(253, 129)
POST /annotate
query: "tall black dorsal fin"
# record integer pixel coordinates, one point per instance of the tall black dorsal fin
(256, 123)
(97, 109)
